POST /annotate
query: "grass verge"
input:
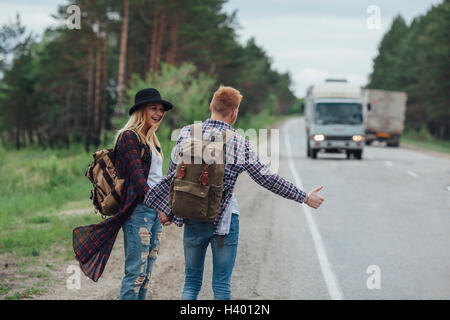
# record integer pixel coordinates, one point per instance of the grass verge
(423, 139)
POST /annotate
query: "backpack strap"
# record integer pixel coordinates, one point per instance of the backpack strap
(196, 127)
(140, 141)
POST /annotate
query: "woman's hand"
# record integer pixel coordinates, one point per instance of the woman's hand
(163, 218)
(314, 200)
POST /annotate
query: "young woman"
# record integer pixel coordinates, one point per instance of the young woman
(139, 161)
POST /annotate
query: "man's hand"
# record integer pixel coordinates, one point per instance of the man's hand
(314, 200)
(163, 219)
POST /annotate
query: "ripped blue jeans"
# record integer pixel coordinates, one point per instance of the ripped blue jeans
(141, 235)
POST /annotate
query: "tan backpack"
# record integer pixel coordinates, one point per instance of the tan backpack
(196, 188)
(107, 186)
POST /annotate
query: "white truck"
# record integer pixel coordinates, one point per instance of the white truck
(334, 117)
(385, 117)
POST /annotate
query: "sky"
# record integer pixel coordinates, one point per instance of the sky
(311, 39)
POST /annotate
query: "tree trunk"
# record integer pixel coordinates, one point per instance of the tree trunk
(161, 27)
(98, 92)
(105, 115)
(147, 57)
(173, 35)
(90, 76)
(30, 135)
(18, 145)
(122, 57)
(131, 64)
(39, 139)
(154, 38)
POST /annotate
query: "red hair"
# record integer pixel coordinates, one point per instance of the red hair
(225, 100)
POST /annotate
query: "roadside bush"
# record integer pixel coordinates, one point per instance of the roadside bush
(189, 91)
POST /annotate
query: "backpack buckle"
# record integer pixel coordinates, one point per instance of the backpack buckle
(204, 177)
(182, 172)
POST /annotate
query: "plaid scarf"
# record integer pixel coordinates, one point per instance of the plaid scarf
(92, 244)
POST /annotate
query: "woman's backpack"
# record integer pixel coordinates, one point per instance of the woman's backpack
(197, 186)
(107, 185)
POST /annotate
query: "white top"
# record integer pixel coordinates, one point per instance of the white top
(155, 173)
(233, 205)
(231, 209)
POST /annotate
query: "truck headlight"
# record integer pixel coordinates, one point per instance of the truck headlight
(318, 137)
(358, 138)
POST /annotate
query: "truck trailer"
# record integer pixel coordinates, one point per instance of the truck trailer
(385, 116)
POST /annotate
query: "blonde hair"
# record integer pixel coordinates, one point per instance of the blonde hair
(136, 123)
(225, 100)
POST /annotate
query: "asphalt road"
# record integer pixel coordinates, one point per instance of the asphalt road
(383, 231)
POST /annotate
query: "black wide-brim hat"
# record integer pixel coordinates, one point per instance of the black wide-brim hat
(146, 96)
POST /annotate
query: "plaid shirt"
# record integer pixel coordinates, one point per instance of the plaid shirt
(240, 156)
(92, 244)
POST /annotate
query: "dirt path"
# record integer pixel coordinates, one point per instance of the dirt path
(166, 281)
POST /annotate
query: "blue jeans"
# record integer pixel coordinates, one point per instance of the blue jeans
(197, 237)
(141, 235)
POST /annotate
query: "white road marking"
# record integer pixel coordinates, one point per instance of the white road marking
(388, 163)
(448, 188)
(330, 278)
(412, 174)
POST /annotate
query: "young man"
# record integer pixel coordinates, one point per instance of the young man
(223, 233)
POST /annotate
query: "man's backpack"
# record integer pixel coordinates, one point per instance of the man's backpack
(107, 185)
(196, 188)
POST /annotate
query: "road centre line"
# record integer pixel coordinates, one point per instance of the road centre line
(330, 278)
(412, 174)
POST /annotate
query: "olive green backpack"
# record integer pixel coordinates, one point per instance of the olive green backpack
(196, 188)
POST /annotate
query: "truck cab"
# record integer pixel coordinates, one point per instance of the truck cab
(334, 116)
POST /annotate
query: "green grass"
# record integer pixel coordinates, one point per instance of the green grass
(34, 185)
(26, 294)
(4, 289)
(424, 139)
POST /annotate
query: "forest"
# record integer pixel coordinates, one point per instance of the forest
(73, 85)
(415, 58)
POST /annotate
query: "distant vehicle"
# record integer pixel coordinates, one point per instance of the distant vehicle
(334, 116)
(385, 117)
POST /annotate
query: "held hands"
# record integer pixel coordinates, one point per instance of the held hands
(163, 219)
(314, 200)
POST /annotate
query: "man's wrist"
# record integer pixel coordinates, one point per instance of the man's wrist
(306, 199)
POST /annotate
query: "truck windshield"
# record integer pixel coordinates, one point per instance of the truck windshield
(338, 113)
